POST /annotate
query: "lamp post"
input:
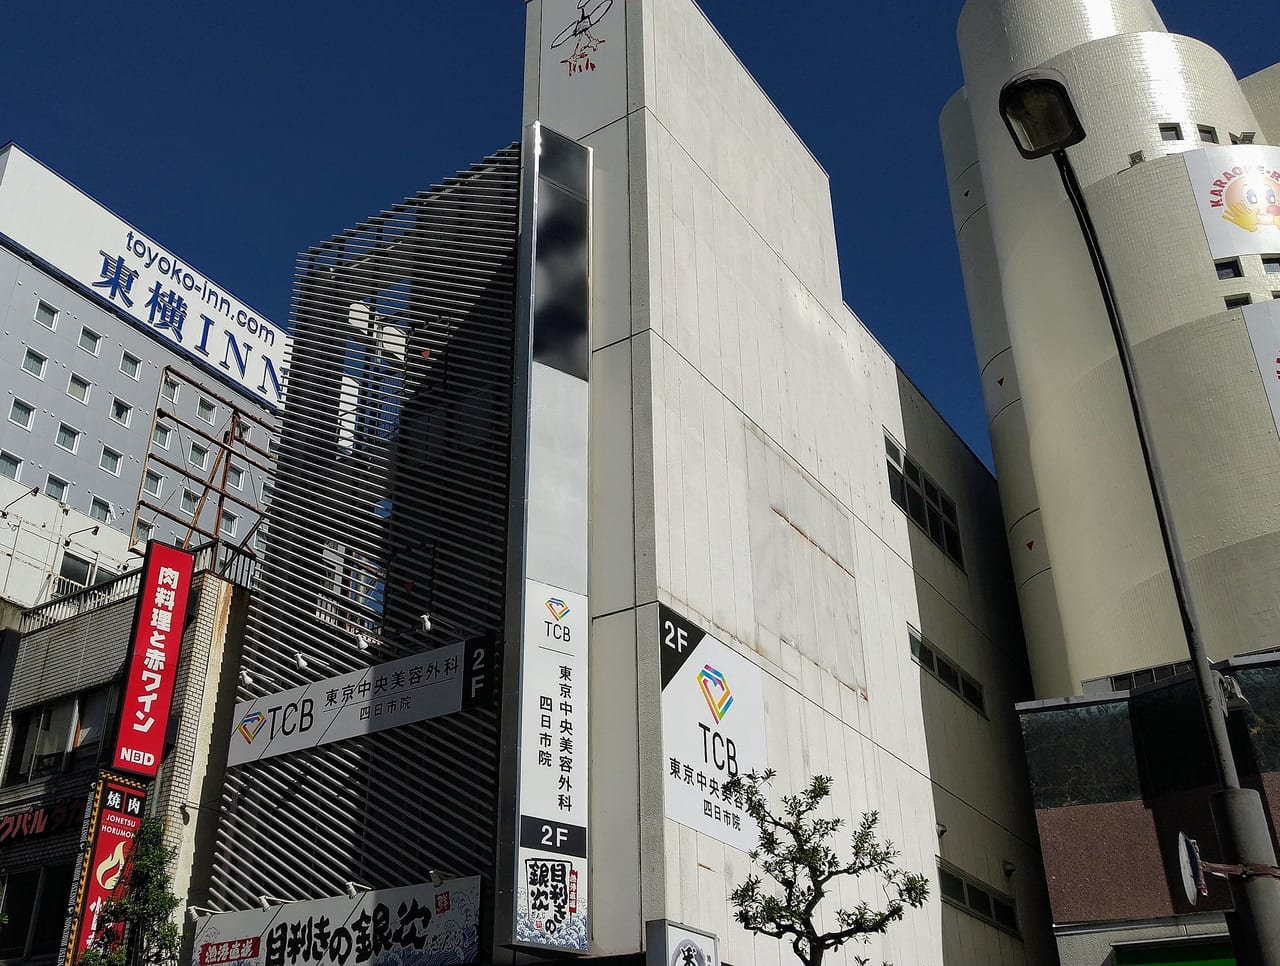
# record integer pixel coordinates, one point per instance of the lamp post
(1042, 120)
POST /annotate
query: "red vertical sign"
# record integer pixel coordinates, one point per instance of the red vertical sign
(153, 659)
(119, 807)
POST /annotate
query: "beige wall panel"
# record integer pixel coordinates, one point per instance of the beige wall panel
(1263, 91)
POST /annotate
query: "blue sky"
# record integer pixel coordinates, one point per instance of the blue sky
(237, 134)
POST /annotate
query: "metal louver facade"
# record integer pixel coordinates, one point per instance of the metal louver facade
(391, 503)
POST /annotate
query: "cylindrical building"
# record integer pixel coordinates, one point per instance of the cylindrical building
(1159, 111)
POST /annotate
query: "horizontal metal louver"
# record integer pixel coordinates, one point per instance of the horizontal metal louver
(390, 502)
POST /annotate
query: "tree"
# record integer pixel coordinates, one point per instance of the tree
(795, 851)
(136, 926)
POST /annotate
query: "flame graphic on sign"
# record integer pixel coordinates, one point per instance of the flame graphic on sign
(108, 871)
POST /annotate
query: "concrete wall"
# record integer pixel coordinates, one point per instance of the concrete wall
(739, 418)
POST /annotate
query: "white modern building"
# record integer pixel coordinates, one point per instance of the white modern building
(139, 396)
(1180, 173)
(725, 465)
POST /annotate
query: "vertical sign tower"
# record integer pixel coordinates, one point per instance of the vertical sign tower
(542, 896)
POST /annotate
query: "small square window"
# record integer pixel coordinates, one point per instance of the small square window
(152, 483)
(160, 435)
(109, 460)
(169, 390)
(1228, 268)
(189, 502)
(199, 456)
(268, 492)
(1170, 132)
(243, 432)
(68, 438)
(90, 341)
(1237, 301)
(229, 523)
(100, 510)
(1275, 295)
(21, 413)
(78, 388)
(1271, 264)
(130, 364)
(206, 410)
(235, 476)
(142, 531)
(56, 488)
(46, 315)
(1209, 135)
(10, 465)
(33, 363)
(121, 412)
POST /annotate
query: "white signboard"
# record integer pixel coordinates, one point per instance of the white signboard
(114, 262)
(583, 67)
(1262, 319)
(551, 868)
(362, 702)
(420, 925)
(713, 728)
(1238, 193)
(674, 944)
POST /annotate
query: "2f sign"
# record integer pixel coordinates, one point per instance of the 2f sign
(674, 637)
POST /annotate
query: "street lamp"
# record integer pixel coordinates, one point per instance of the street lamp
(1037, 110)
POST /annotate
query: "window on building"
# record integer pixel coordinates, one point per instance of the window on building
(100, 510)
(260, 539)
(152, 483)
(68, 437)
(46, 314)
(1134, 679)
(1237, 301)
(160, 435)
(1209, 135)
(169, 389)
(206, 410)
(109, 460)
(199, 456)
(34, 363)
(130, 365)
(59, 735)
(1228, 268)
(78, 388)
(142, 531)
(90, 341)
(56, 488)
(235, 477)
(963, 891)
(189, 502)
(121, 411)
(1271, 264)
(268, 492)
(73, 574)
(244, 432)
(946, 671)
(1170, 132)
(21, 413)
(230, 522)
(923, 501)
(34, 902)
(10, 465)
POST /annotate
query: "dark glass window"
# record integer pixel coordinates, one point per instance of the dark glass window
(1228, 268)
(1170, 132)
(923, 500)
(951, 886)
(20, 889)
(1237, 301)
